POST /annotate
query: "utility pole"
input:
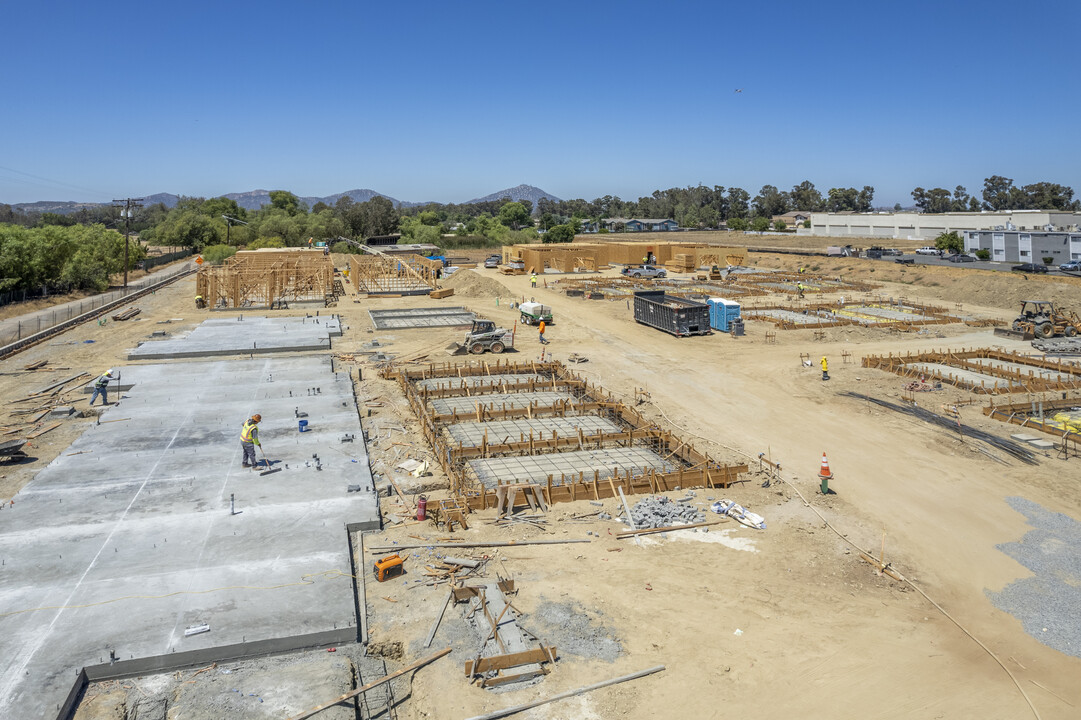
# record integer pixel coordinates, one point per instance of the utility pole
(126, 212)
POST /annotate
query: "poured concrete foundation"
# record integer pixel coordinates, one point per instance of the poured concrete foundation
(537, 468)
(128, 538)
(243, 335)
(472, 434)
(975, 378)
(406, 318)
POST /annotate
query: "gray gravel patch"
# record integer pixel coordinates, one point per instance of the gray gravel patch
(1047, 603)
(574, 630)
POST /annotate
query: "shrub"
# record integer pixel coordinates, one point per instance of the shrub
(779, 225)
(217, 254)
(270, 242)
(737, 224)
(343, 248)
(983, 254)
(1048, 260)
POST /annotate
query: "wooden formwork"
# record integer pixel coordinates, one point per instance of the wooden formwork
(268, 278)
(695, 467)
(930, 315)
(394, 275)
(1070, 375)
(1033, 414)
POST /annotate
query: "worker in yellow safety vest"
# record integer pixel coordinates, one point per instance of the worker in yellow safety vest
(825, 369)
(533, 279)
(249, 438)
(200, 302)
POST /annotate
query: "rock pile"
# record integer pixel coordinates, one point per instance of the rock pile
(656, 512)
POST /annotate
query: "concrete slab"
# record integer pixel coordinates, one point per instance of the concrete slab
(116, 551)
(406, 318)
(1042, 444)
(472, 434)
(244, 335)
(988, 381)
(1024, 437)
(537, 468)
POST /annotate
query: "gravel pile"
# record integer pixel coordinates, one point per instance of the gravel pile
(655, 512)
(1046, 604)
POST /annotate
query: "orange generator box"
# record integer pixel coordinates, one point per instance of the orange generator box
(388, 567)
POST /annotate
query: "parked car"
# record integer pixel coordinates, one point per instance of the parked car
(893, 252)
(1071, 265)
(1030, 268)
(927, 251)
(492, 261)
(961, 258)
(644, 271)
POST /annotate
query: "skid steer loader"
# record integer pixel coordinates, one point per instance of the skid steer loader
(483, 337)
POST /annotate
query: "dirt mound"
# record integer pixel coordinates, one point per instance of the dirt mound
(473, 284)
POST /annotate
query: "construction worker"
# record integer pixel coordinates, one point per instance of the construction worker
(200, 302)
(799, 289)
(541, 328)
(533, 279)
(825, 369)
(801, 270)
(249, 438)
(309, 243)
(101, 387)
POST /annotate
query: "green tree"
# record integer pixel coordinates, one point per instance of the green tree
(805, 196)
(514, 215)
(950, 241)
(770, 201)
(737, 203)
(935, 200)
(287, 201)
(559, 234)
(738, 224)
(780, 225)
(760, 224)
(1000, 194)
(807, 224)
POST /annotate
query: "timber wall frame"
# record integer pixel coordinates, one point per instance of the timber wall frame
(695, 468)
(394, 274)
(1025, 415)
(969, 360)
(268, 278)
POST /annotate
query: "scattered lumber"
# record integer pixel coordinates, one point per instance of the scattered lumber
(507, 543)
(441, 293)
(35, 366)
(570, 693)
(127, 314)
(369, 686)
(438, 619)
(670, 528)
(42, 431)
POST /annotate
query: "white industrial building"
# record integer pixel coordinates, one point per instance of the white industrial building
(928, 226)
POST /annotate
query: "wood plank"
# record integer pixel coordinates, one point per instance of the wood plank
(43, 430)
(670, 528)
(438, 619)
(500, 662)
(369, 686)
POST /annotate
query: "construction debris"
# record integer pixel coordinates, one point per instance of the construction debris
(660, 512)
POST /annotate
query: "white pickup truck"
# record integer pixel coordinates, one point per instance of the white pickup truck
(644, 271)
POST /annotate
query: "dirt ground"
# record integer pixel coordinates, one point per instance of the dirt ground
(777, 623)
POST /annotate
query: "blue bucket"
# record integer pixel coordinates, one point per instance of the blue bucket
(303, 426)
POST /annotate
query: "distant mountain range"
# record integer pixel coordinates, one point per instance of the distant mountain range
(255, 199)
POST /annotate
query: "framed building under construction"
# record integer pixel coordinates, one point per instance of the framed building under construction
(269, 278)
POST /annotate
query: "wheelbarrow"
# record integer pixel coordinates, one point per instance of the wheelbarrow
(12, 449)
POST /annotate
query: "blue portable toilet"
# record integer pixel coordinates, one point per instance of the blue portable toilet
(722, 312)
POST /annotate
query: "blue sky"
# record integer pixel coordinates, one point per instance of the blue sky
(451, 101)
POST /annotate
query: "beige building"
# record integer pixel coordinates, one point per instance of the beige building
(921, 226)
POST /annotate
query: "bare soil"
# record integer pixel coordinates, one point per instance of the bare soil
(784, 622)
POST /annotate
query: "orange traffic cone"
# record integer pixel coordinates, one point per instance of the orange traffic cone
(825, 475)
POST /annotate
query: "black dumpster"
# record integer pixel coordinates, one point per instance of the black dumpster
(671, 314)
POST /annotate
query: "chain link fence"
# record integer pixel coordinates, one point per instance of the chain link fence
(18, 328)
